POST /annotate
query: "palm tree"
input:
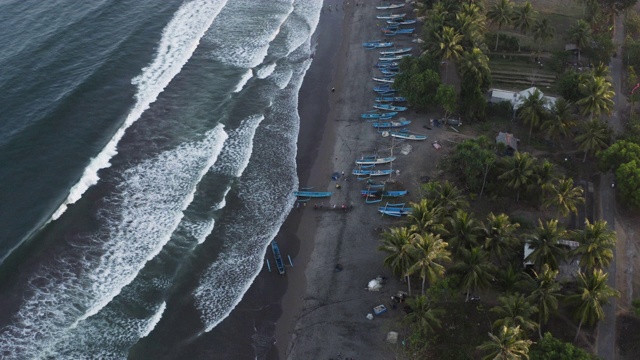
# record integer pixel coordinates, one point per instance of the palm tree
(463, 231)
(524, 19)
(581, 35)
(515, 310)
(545, 295)
(500, 14)
(601, 70)
(499, 235)
(598, 96)
(397, 243)
(511, 278)
(545, 173)
(448, 44)
(426, 217)
(475, 269)
(475, 64)
(519, 172)
(563, 196)
(559, 123)
(594, 137)
(471, 24)
(597, 244)
(592, 293)
(423, 318)
(545, 244)
(429, 251)
(507, 344)
(445, 195)
(532, 110)
(543, 31)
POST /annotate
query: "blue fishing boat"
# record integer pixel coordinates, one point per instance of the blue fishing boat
(390, 6)
(387, 64)
(371, 172)
(277, 256)
(391, 124)
(387, 93)
(391, 99)
(396, 210)
(389, 107)
(383, 88)
(401, 21)
(312, 194)
(383, 193)
(375, 160)
(389, 73)
(378, 115)
(393, 58)
(405, 31)
(391, 16)
(377, 44)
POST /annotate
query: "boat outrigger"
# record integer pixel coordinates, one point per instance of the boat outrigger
(396, 210)
(391, 16)
(312, 194)
(372, 172)
(375, 161)
(389, 107)
(391, 124)
(390, 6)
(407, 136)
(378, 115)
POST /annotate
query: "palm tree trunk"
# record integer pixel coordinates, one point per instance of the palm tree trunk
(467, 299)
(578, 333)
(423, 279)
(530, 131)
(497, 38)
(540, 325)
(518, 196)
(408, 284)
(484, 180)
(584, 159)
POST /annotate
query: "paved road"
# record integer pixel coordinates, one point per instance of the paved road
(606, 344)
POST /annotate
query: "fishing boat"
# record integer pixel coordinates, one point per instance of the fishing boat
(377, 44)
(378, 115)
(401, 21)
(389, 73)
(393, 58)
(277, 256)
(396, 51)
(375, 160)
(359, 172)
(407, 136)
(391, 124)
(383, 193)
(391, 16)
(389, 107)
(383, 80)
(391, 99)
(396, 210)
(312, 194)
(387, 65)
(405, 31)
(389, 6)
(383, 88)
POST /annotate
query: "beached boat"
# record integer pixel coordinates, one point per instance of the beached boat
(378, 115)
(389, 73)
(359, 172)
(377, 44)
(312, 194)
(401, 21)
(389, 107)
(405, 31)
(396, 51)
(395, 210)
(397, 57)
(375, 160)
(277, 256)
(384, 80)
(407, 136)
(391, 16)
(391, 124)
(387, 65)
(383, 193)
(391, 99)
(383, 88)
(390, 6)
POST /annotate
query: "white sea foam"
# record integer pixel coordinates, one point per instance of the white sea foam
(281, 77)
(138, 220)
(179, 40)
(244, 80)
(154, 320)
(252, 35)
(264, 71)
(238, 148)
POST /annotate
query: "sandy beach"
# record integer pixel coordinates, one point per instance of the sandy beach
(324, 311)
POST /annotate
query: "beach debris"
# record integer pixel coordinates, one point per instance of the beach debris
(369, 316)
(338, 268)
(405, 149)
(436, 145)
(379, 310)
(375, 285)
(392, 337)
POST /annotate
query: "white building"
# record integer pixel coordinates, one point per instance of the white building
(517, 98)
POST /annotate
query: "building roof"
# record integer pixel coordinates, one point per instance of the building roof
(517, 98)
(507, 139)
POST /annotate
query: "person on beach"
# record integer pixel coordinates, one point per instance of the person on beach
(333, 89)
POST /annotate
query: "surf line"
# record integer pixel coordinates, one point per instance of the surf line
(190, 22)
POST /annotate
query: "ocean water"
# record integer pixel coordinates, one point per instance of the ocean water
(147, 159)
